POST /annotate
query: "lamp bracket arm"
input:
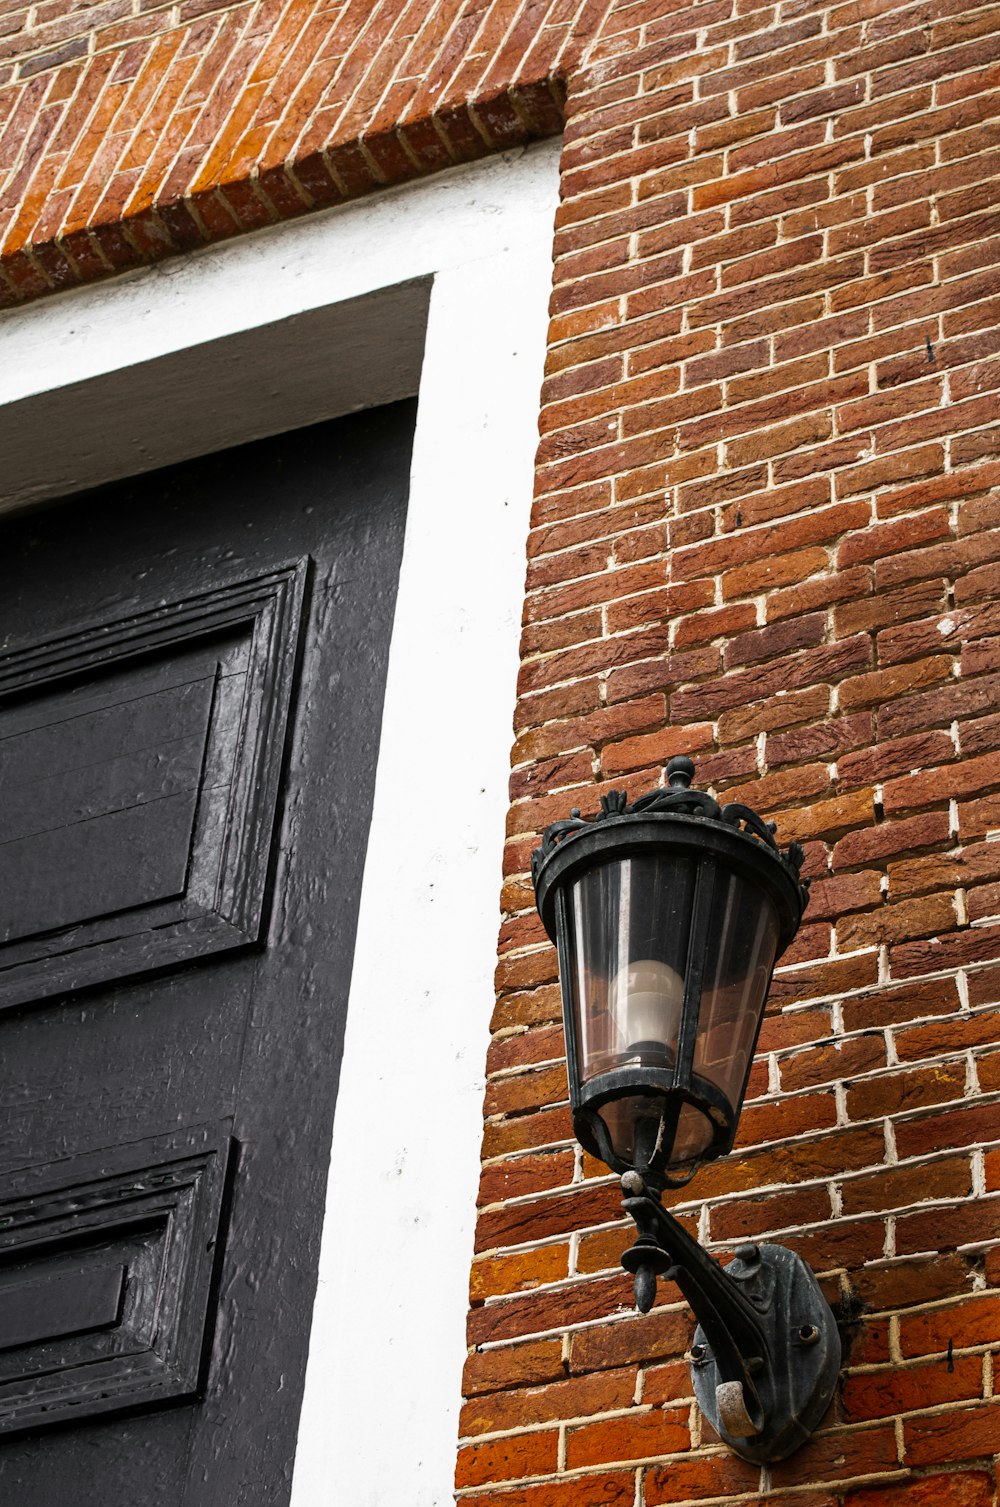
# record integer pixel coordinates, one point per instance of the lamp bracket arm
(766, 1353)
(734, 1329)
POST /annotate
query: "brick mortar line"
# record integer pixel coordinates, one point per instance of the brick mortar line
(732, 231)
(703, 1453)
(867, 104)
(928, 1158)
(593, 453)
(834, 1430)
(649, 1410)
(678, 1456)
(863, 1075)
(902, 1117)
(868, 304)
(779, 127)
(496, 1301)
(51, 44)
(726, 1200)
(691, 390)
(775, 58)
(613, 567)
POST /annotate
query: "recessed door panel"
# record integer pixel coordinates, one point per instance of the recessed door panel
(139, 777)
(105, 1271)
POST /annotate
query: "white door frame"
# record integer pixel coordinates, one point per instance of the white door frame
(444, 284)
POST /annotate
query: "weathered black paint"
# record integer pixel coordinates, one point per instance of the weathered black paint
(152, 776)
(106, 1277)
(176, 974)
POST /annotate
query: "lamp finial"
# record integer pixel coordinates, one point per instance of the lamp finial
(680, 772)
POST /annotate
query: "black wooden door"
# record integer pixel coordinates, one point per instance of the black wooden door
(191, 685)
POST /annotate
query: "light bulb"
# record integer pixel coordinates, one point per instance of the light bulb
(645, 1001)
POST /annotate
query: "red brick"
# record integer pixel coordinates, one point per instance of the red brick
(876, 542)
(957, 949)
(816, 980)
(896, 1187)
(777, 712)
(818, 527)
(782, 1029)
(642, 1436)
(968, 777)
(667, 1383)
(891, 839)
(927, 916)
(704, 1475)
(514, 1365)
(894, 757)
(833, 1061)
(975, 1320)
(903, 1282)
(820, 591)
(592, 730)
(839, 1456)
(538, 1312)
(984, 987)
(952, 1035)
(525, 1174)
(974, 1222)
(577, 1397)
(636, 1339)
(701, 627)
(654, 748)
(830, 737)
(553, 1214)
(755, 1217)
(523, 1132)
(895, 1390)
(963, 1434)
(825, 819)
(966, 1124)
(601, 1489)
(956, 1489)
(892, 606)
(495, 1275)
(825, 1155)
(506, 1459)
(901, 1003)
(893, 681)
(893, 1093)
(939, 706)
(772, 570)
(776, 639)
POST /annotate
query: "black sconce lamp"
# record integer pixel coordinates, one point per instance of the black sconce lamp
(668, 915)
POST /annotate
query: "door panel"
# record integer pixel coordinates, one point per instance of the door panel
(151, 776)
(105, 1275)
(190, 699)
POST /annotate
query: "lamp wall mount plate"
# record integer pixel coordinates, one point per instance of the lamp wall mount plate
(797, 1383)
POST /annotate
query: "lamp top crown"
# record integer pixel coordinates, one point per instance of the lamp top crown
(676, 799)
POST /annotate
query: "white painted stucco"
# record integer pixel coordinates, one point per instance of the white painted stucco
(287, 326)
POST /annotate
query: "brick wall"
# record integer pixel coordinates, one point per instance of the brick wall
(764, 534)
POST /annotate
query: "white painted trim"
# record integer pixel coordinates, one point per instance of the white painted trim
(379, 1421)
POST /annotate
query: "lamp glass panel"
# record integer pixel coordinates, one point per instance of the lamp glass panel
(635, 1125)
(743, 927)
(629, 923)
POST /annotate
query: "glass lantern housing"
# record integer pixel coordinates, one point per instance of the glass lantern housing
(668, 916)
